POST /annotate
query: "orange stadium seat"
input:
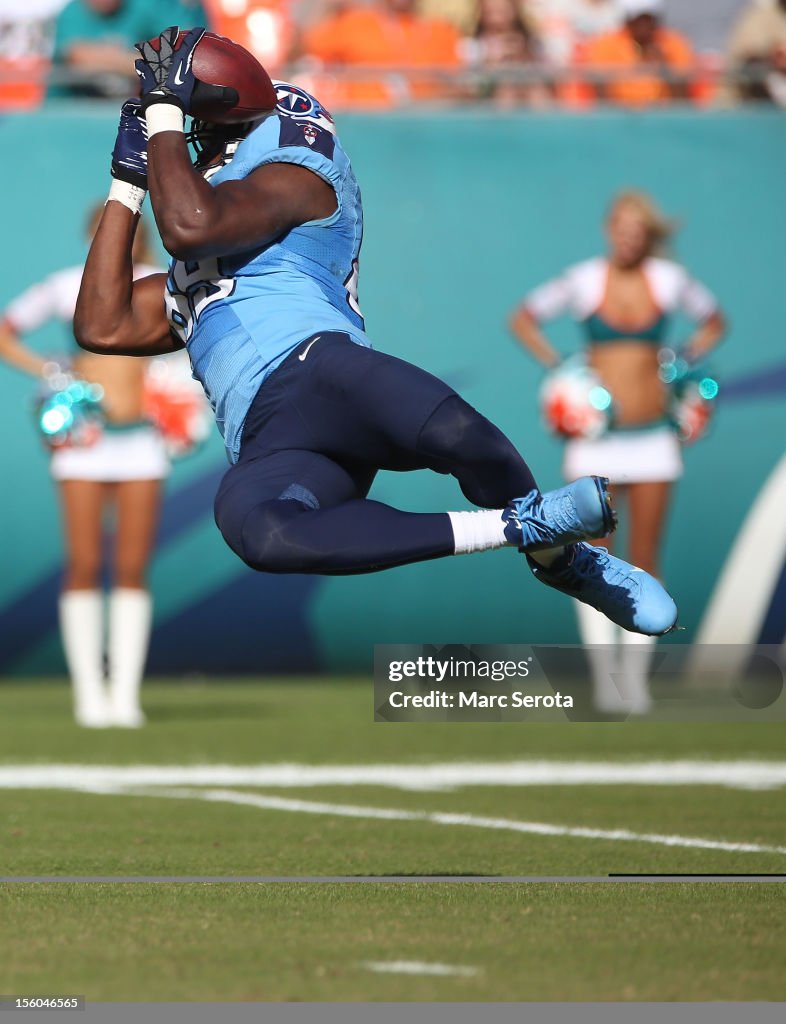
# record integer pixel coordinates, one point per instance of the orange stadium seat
(401, 53)
(22, 82)
(636, 84)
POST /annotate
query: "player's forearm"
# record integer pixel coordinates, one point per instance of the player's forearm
(114, 314)
(184, 204)
(104, 306)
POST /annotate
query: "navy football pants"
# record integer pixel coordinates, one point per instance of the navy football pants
(319, 429)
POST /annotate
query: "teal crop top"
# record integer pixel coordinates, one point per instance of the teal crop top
(600, 331)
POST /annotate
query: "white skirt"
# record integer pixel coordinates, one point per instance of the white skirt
(130, 453)
(648, 455)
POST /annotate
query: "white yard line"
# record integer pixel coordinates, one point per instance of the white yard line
(745, 774)
(164, 780)
(418, 967)
(538, 828)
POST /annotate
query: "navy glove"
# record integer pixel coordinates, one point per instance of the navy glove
(165, 69)
(129, 157)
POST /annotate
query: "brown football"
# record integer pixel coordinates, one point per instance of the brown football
(232, 85)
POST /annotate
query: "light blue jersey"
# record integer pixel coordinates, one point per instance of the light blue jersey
(240, 316)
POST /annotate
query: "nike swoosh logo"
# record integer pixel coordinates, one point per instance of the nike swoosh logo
(178, 79)
(303, 354)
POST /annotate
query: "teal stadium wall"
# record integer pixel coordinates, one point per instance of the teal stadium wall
(465, 212)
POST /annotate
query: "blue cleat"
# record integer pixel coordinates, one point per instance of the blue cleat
(576, 512)
(626, 595)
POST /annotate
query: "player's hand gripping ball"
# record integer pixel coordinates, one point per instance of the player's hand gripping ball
(207, 76)
(165, 68)
(129, 157)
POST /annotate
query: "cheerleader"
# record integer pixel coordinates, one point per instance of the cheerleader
(121, 472)
(624, 303)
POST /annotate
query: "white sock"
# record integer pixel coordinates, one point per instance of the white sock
(599, 635)
(635, 659)
(478, 531)
(82, 630)
(130, 615)
(484, 530)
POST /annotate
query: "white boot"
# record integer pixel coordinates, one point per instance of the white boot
(130, 614)
(82, 630)
(600, 635)
(635, 659)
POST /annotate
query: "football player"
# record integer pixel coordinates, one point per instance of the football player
(265, 234)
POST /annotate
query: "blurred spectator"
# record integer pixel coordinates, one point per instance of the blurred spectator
(660, 60)
(758, 46)
(625, 303)
(503, 39)
(94, 40)
(118, 467)
(462, 14)
(387, 35)
(26, 46)
(561, 23)
(564, 24)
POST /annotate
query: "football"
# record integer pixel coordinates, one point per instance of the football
(232, 85)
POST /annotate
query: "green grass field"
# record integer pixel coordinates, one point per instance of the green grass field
(103, 813)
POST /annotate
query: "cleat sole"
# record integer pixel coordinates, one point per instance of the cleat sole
(610, 518)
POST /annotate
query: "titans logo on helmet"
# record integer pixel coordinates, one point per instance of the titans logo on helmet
(298, 104)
